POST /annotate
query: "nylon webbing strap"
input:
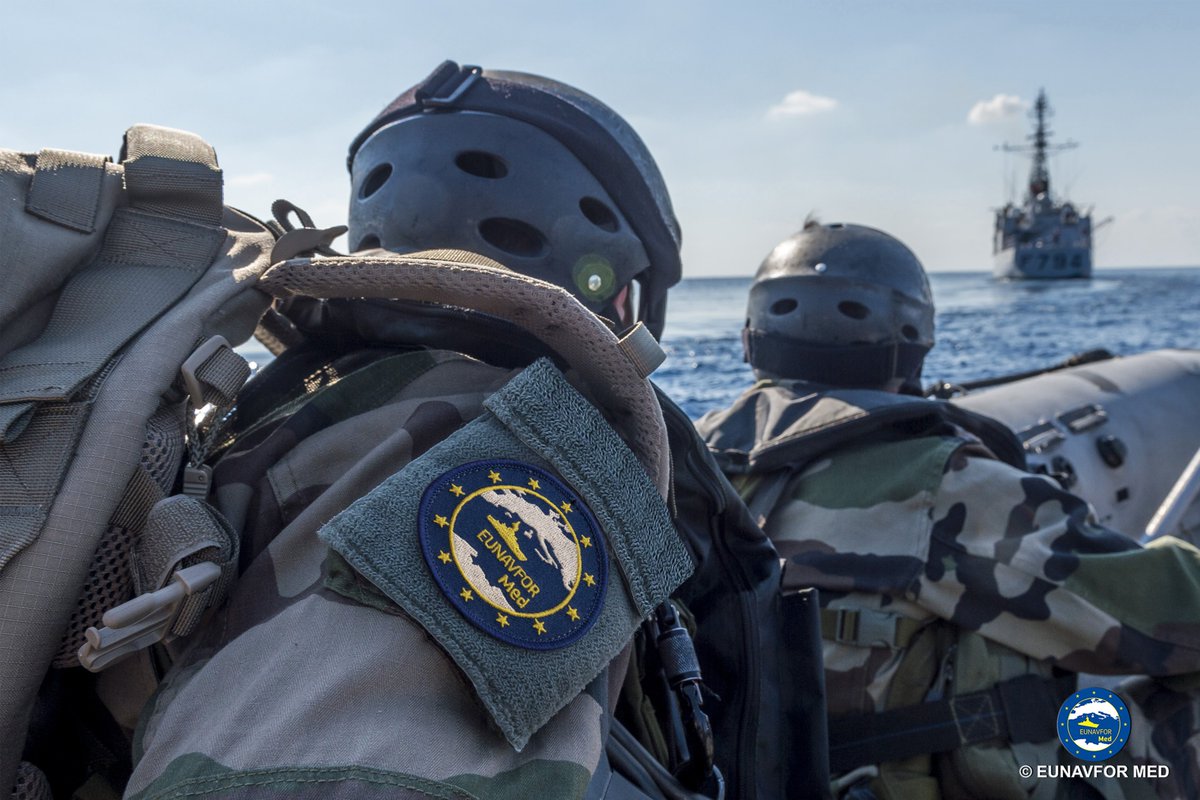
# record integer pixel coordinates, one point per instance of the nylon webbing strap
(182, 531)
(173, 173)
(183, 564)
(865, 627)
(66, 188)
(1018, 710)
(642, 350)
(221, 375)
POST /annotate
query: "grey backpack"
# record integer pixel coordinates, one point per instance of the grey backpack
(127, 286)
(124, 287)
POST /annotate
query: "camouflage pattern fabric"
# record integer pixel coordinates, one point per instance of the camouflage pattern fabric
(309, 682)
(1001, 572)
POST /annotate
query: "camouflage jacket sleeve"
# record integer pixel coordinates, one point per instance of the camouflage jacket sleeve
(933, 526)
(309, 683)
(1022, 561)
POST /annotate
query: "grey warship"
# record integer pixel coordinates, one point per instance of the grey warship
(1043, 237)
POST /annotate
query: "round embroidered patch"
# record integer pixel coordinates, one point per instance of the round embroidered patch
(516, 551)
(1093, 724)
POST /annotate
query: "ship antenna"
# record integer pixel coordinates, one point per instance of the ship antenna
(1039, 176)
(1040, 148)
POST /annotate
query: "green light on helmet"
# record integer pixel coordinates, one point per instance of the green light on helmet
(594, 277)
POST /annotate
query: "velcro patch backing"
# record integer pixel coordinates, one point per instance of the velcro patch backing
(540, 472)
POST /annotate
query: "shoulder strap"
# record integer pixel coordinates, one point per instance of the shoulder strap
(1016, 710)
(611, 374)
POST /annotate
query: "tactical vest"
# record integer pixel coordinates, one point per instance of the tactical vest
(954, 702)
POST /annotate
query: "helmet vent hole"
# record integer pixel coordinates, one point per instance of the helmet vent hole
(513, 237)
(784, 306)
(854, 310)
(909, 332)
(375, 180)
(481, 164)
(369, 242)
(599, 214)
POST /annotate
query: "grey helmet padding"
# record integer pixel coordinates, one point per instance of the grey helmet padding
(525, 170)
(842, 305)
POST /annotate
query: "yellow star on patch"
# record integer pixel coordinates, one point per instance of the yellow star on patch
(572, 613)
(586, 541)
(588, 579)
(444, 557)
(456, 490)
(533, 484)
(539, 626)
(566, 507)
(502, 620)
(466, 594)
(495, 476)
(440, 520)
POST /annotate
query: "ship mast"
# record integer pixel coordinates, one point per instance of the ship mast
(1039, 175)
(1040, 149)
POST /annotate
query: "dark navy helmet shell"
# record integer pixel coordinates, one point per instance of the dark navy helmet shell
(526, 170)
(840, 304)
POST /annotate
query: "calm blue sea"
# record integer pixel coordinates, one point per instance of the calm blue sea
(984, 327)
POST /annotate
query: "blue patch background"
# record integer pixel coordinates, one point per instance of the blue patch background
(439, 501)
(1066, 730)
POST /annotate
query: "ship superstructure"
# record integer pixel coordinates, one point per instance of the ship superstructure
(1043, 237)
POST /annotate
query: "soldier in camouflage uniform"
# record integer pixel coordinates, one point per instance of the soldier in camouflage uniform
(960, 594)
(326, 674)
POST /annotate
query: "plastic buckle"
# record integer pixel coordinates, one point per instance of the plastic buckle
(197, 480)
(145, 620)
(866, 628)
(196, 360)
(877, 628)
(304, 240)
(845, 626)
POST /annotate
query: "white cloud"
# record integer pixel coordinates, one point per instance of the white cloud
(1000, 107)
(801, 103)
(253, 179)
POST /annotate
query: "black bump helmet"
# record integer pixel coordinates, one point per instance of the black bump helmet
(528, 171)
(844, 305)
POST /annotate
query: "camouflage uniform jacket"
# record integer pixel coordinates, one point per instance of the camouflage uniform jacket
(974, 571)
(309, 681)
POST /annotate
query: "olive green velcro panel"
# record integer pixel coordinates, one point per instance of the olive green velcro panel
(67, 188)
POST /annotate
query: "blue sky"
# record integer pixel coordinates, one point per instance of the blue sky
(876, 130)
